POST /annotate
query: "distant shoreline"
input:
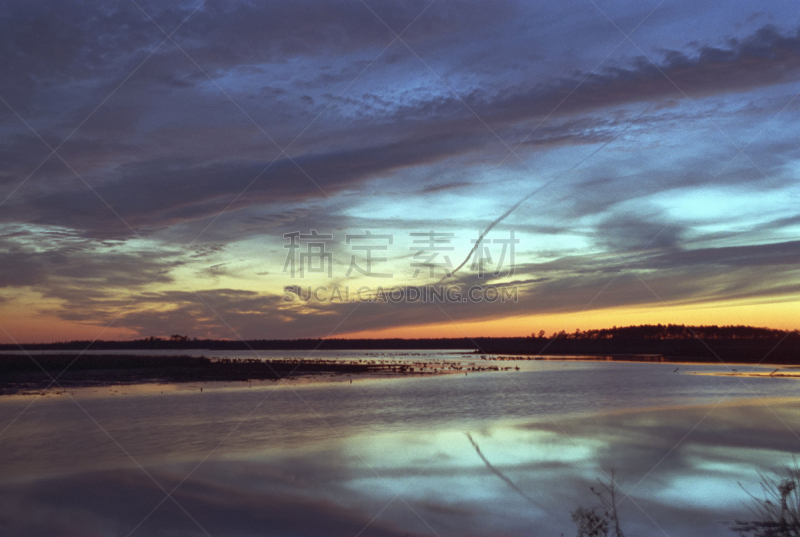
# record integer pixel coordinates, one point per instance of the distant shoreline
(781, 348)
(29, 374)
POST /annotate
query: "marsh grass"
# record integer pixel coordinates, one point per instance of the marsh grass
(601, 520)
(773, 512)
(776, 512)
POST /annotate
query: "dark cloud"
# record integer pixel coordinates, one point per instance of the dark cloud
(764, 58)
(639, 231)
(190, 186)
(153, 193)
(51, 43)
(446, 186)
(52, 260)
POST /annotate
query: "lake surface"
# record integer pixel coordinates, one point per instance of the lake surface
(392, 456)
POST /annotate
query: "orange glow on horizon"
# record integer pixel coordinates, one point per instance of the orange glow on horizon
(782, 315)
(41, 329)
(37, 328)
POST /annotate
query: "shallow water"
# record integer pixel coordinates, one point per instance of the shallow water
(391, 456)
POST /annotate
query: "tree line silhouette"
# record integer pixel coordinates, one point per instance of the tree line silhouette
(673, 331)
(669, 342)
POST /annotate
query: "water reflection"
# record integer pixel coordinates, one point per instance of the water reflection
(394, 458)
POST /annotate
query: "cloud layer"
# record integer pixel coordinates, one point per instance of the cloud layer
(220, 126)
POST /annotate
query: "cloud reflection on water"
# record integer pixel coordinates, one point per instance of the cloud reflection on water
(434, 479)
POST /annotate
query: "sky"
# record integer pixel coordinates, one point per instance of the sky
(234, 169)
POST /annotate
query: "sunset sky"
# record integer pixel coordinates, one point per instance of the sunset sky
(156, 153)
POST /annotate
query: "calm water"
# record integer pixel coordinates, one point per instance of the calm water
(392, 456)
